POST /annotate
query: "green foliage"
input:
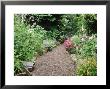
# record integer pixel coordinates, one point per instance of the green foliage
(86, 51)
(49, 44)
(85, 46)
(90, 23)
(69, 25)
(63, 25)
(18, 67)
(47, 21)
(26, 42)
(86, 67)
(89, 48)
(35, 33)
(76, 40)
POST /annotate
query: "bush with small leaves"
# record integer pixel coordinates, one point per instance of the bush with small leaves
(27, 42)
(86, 67)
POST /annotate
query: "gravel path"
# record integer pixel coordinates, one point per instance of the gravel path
(58, 62)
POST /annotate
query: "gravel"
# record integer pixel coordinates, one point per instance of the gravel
(58, 62)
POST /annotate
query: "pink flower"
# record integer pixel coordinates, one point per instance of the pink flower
(68, 43)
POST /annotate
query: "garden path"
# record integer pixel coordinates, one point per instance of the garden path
(57, 62)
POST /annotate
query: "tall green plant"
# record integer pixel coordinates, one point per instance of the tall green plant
(27, 42)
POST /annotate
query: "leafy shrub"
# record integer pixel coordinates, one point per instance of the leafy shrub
(69, 25)
(27, 42)
(85, 47)
(18, 67)
(86, 67)
(89, 48)
(49, 44)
